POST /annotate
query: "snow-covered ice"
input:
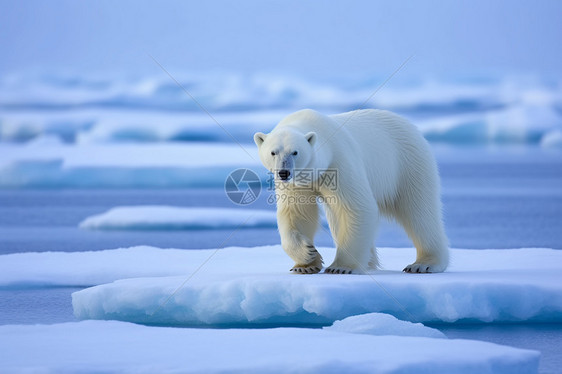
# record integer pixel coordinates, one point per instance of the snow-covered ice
(109, 346)
(383, 324)
(59, 269)
(178, 218)
(243, 286)
(250, 286)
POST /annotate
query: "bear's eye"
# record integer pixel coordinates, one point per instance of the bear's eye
(272, 153)
(295, 153)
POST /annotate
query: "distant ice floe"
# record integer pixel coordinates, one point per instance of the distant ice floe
(119, 347)
(46, 163)
(524, 125)
(83, 110)
(179, 218)
(552, 139)
(124, 165)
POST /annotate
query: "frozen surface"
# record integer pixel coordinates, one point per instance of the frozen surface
(52, 269)
(178, 218)
(241, 286)
(102, 346)
(383, 324)
(253, 286)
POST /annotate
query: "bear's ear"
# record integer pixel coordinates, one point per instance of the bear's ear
(311, 138)
(259, 138)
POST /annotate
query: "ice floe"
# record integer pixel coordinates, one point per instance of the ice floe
(118, 347)
(252, 286)
(383, 324)
(83, 109)
(124, 165)
(243, 286)
(179, 218)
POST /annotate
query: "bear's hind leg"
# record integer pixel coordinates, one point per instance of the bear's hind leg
(353, 230)
(423, 224)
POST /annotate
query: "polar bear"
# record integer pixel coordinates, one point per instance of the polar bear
(360, 165)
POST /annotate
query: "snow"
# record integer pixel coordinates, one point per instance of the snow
(109, 346)
(179, 218)
(252, 286)
(383, 324)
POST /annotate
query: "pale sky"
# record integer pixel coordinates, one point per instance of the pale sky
(300, 37)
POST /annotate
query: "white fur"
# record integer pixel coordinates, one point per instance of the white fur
(384, 166)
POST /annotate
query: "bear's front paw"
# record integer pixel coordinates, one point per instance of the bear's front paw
(306, 269)
(422, 268)
(338, 270)
(313, 264)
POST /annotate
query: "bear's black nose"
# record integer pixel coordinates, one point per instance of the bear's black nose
(284, 174)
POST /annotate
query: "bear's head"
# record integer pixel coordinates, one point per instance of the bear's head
(285, 150)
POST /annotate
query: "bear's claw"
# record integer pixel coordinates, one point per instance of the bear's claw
(338, 271)
(418, 268)
(305, 269)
